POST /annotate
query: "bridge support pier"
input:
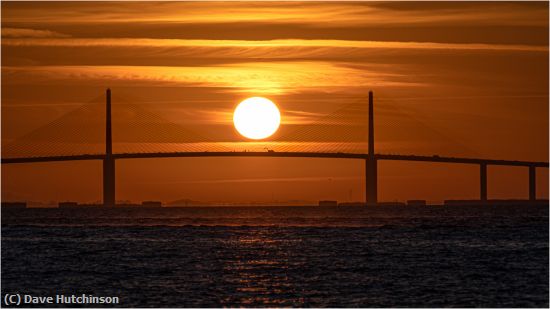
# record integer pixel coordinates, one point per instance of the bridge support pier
(109, 182)
(483, 182)
(532, 183)
(371, 179)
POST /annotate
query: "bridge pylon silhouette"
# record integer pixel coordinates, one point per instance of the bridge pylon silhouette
(109, 198)
(371, 164)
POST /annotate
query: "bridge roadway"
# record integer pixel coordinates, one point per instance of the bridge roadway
(274, 154)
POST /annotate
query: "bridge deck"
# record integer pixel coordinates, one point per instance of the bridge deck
(336, 155)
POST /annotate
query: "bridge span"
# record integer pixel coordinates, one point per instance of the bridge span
(483, 163)
(274, 154)
(371, 160)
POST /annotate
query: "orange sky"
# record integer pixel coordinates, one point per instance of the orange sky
(463, 79)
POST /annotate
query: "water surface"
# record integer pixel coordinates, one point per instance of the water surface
(282, 256)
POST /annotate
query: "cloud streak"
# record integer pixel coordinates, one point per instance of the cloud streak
(259, 78)
(271, 44)
(30, 33)
(344, 14)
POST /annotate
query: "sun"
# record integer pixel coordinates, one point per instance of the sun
(256, 118)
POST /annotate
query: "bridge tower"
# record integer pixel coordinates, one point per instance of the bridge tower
(108, 161)
(371, 163)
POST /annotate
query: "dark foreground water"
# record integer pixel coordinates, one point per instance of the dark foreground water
(301, 256)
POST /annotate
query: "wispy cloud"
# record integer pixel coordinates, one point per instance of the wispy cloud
(30, 33)
(348, 13)
(267, 44)
(258, 78)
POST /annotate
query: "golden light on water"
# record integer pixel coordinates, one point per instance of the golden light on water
(256, 118)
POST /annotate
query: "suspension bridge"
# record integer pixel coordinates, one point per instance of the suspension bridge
(35, 147)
